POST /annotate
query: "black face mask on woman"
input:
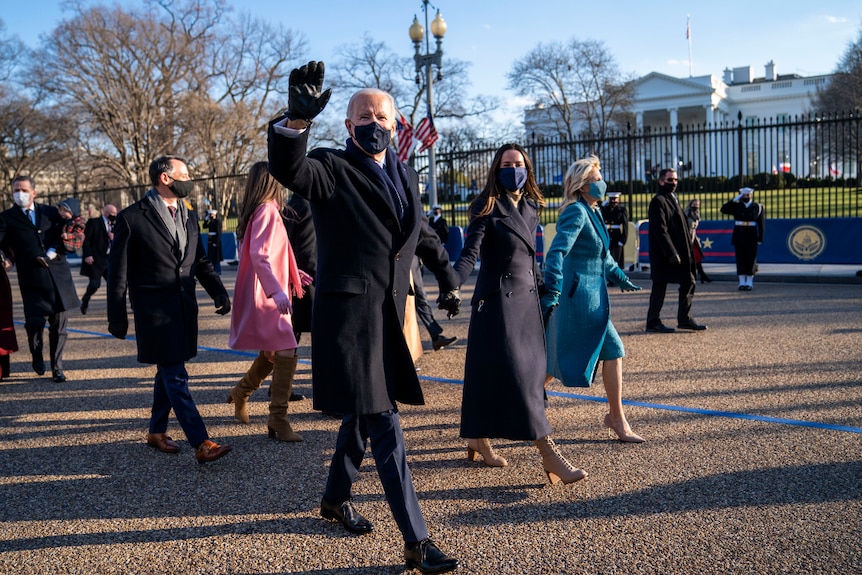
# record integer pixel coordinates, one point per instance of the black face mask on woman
(373, 138)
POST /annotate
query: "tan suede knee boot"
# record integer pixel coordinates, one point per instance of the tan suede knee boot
(260, 368)
(282, 382)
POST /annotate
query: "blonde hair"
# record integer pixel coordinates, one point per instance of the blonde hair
(577, 176)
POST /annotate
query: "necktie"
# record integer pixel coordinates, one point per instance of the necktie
(31, 216)
(173, 210)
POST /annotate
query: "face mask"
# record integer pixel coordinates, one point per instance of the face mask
(669, 187)
(372, 138)
(21, 199)
(597, 189)
(182, 189)
(513, 179)
(112, 218)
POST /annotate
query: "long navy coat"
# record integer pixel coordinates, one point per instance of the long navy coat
(360, 360)
(95, 245)
(504, 371)
(161, 286)
(668, 237)
(44, 291)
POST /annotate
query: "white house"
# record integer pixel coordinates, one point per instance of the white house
(664, 104)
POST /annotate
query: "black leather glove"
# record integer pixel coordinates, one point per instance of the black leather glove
(222, 303)
(451, 302)
(304, 97)
(118, 329)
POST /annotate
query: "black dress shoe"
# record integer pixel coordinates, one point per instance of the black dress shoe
(296, 397)
(58, 376)
(38, 365)
(347, 515)
(427, 557)
(441, 341)
(692, 325)
(659, 328)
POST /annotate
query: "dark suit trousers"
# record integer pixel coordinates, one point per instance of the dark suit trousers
(35, 327)
(390, 457)
(656, 300)
(423, 310)
(171, 390)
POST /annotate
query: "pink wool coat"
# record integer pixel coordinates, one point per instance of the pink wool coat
(266, 266)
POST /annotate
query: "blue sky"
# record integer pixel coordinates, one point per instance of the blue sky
(806, 38)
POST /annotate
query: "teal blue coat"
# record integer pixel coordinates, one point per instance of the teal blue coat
(578, 266)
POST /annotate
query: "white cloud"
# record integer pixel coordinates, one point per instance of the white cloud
(836, 19)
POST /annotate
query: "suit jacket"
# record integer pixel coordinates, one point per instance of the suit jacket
(300, 232)
(44, 291)
(669, 237)
(161, 285)
(505, 368)
(96, 244)
(361, 362)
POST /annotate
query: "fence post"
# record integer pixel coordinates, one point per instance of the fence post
(629, 161)
(739, 149)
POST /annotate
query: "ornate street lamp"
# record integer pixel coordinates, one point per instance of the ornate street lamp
(427, 61)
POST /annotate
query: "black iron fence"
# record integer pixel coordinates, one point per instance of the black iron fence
(800, 167)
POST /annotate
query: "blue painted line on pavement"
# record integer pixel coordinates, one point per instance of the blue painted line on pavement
(567, 395)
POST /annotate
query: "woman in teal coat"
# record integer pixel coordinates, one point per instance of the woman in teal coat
(578, 267)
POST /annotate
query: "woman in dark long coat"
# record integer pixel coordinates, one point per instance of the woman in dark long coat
(505, 366)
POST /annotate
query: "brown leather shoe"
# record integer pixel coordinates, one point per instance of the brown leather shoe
(163, 443)
(210, 451)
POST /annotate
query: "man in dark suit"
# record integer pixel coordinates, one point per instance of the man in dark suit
(369, 224)
(438, 224)
(158, 253)
(617, 222)
(31, 231)
(670, 256)
(98, 235)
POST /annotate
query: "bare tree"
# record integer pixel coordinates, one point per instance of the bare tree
(578, 86)
(843, 95)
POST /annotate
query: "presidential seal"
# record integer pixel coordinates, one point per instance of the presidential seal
(806, 242)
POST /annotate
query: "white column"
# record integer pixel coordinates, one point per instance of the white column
(674, 120)
(640, 172)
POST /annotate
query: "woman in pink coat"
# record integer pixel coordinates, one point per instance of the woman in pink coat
(260, 318)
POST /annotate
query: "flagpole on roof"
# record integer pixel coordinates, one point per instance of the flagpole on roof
(688, 37)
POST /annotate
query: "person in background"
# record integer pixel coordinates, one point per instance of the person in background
(369, 223)
(8, 339)
(267, 277)
(30, 231)
(692, 214)
(578, 264)
(213, 226)
(749, 218)
(670, 257)
(98, 236)
(616, 219)
(438, 224)
(504, 372)
(157, 258)
(424, 312)
(71, 225)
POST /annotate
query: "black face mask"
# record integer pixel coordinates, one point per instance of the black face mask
(669, 187)
(112, 218)
(372, 138)
(182, 188)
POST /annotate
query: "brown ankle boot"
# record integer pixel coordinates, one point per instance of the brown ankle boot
(556, 466)
(260, 368)
(282, 382)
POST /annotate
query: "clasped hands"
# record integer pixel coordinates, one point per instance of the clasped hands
(451, 302)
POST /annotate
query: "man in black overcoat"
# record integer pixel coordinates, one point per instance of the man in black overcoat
(748, 227)
(671, 258)
(98, 235)
(617, 222)
(369, 224)
(31, 232)
(156, 256)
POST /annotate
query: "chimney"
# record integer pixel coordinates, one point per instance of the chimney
(728, 76)
(742, 75)
(771, 76)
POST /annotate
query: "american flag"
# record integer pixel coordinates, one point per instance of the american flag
(426, 133)
(405, 143)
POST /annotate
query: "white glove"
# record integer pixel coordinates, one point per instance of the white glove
(737, 198)
(51, 253)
